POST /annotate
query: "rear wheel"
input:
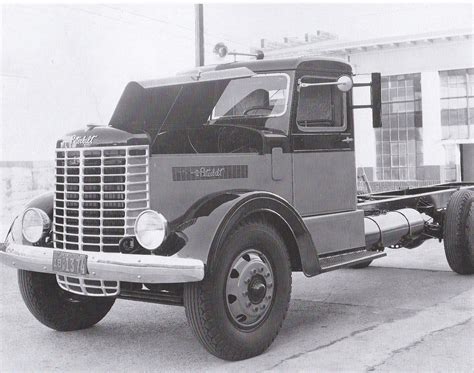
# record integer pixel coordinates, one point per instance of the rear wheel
(238, 309)
(57, 308)
(459, 232)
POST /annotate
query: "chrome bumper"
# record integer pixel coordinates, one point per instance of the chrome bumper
(108, 266)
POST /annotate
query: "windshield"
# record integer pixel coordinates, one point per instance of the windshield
(259, 95)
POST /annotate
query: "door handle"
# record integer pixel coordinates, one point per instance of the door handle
(347, 140)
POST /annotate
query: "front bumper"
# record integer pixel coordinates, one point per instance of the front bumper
(108, 266)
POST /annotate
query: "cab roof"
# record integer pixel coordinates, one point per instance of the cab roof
(307, 63)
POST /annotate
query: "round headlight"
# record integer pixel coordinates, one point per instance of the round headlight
(35, 224)
(151, 229)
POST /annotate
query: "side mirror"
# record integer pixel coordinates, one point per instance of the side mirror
(344, 83)
(376, 100)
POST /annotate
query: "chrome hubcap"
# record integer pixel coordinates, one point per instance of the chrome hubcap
(249, 288)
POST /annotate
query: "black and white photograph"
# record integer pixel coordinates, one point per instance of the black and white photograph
(237, 187)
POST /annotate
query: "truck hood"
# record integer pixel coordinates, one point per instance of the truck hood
(101, 136)
(182, 100)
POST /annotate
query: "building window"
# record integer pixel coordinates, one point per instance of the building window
(457, 104)
(399, 142)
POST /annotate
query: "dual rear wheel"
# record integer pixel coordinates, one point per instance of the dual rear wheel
(459, 232)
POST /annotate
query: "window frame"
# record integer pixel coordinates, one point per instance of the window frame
(342, 128)
(399, 154)
(288, 81)
(450, 125)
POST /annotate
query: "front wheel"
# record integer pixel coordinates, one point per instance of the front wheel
(238, 309)
(57, 308)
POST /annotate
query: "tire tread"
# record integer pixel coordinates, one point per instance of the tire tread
(46, 302)
(458, 228)
(201, 319)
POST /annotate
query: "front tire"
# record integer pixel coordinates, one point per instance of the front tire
(238, 309)
(459, 232)
(57, 308)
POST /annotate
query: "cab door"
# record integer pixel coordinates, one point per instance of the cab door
(324, 172)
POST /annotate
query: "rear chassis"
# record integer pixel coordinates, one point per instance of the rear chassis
(431, 200)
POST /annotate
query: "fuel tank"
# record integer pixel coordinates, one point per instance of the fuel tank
(392, 227)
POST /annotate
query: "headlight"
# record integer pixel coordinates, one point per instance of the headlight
(151, 229)
(35, 224)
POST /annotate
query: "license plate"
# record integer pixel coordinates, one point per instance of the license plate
(73, 263)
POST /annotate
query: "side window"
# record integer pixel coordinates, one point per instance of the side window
(321, 108)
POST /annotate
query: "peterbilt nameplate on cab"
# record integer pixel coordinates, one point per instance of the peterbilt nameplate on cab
(210, 172)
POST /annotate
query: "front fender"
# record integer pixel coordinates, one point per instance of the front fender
(208, 222)
(43, 202)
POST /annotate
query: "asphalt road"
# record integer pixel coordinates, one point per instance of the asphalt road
(406, 312)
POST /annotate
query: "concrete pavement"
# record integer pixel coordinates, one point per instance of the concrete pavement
(406, 312)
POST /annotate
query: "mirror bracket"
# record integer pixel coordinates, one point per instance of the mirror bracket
(375, 99)
(344, 84)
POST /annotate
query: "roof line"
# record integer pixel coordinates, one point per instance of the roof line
(330, 46)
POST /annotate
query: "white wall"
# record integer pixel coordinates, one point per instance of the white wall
(433, 151)
(436, 56)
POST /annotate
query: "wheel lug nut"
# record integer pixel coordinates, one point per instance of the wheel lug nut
(262, 306)
(270, 285)
(248, 304)
(255, 309)
(247, 280)
(269, 297)
(261, 269)
(254, 271)
(267, 274)
(244, 293)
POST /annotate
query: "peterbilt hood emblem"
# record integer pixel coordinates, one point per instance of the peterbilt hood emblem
(75, 141)
(82, 140)
(101, 136)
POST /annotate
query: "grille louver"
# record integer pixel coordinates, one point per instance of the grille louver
(99, 194)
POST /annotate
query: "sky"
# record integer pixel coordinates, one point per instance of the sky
(64, 66)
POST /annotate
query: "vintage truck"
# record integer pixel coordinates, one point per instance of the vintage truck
(207, 190)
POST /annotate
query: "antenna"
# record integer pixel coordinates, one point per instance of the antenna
(221, 50)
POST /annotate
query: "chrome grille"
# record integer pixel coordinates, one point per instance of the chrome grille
(99, 194)
(92, 287)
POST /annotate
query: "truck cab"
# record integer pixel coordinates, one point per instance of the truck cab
(207, 190)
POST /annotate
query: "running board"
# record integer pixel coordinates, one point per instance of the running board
(330, 263)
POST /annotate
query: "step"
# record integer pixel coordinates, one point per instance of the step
(330, 263)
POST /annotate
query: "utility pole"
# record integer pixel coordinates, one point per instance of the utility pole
(199, 27)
